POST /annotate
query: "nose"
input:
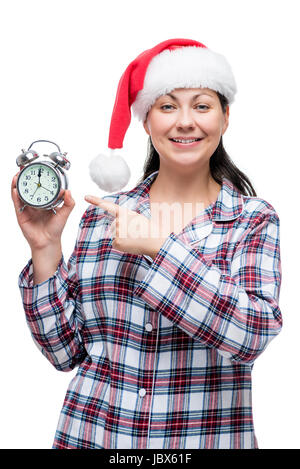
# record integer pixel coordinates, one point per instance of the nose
(185, 120)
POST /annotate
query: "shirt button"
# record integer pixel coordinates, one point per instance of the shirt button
(142, 392)
(148, 327)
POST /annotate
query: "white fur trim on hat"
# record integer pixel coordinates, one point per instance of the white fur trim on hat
(184, 67)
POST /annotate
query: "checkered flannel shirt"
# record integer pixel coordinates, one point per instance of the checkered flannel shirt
(164, 347)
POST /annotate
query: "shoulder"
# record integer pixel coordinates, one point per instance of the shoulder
(257, 211)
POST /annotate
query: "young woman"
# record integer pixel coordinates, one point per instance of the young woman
(172, 290)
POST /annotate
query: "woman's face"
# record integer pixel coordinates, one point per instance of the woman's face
(178, 118)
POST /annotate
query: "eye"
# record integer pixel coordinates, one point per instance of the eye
(202, 107)
(166, 107)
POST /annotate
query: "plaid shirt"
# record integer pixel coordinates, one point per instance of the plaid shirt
(164, 347)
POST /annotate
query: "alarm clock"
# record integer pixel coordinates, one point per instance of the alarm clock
(40, 183)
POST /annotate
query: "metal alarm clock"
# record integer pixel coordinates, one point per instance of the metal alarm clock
(40, 183)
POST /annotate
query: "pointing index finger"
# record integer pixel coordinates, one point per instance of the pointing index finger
(110, 207)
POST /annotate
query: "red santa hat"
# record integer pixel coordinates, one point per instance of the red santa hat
(175, 63)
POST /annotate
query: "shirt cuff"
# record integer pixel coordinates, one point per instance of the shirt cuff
(30, 292)
(161, 279)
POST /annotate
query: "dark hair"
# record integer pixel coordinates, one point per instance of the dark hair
(221, 165)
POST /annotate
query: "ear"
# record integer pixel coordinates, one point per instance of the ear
(146, 127)
(226, 120)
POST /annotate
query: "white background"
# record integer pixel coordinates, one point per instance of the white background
(61, 61)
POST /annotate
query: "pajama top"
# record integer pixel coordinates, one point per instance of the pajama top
(165, 346)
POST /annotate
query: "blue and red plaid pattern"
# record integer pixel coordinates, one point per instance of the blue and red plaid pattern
(164, 347)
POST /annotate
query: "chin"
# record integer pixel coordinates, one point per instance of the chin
(188, 158)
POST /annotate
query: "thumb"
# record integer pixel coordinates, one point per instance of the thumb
(68, 199)
(69, 203)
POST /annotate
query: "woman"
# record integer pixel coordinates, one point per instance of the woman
(163, 319)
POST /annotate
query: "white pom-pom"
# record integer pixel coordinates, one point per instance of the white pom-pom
(111, 173)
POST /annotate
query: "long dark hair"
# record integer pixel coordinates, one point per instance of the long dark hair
(221, 165)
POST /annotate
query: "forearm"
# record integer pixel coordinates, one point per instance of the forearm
(45, 262)
(212, 306)
(53, 314)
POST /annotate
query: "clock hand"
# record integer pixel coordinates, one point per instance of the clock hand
(35, 191)
(45, 188)
(40, 185)
(39, 175)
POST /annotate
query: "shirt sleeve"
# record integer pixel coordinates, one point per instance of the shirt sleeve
(238, 314)
(53, 313)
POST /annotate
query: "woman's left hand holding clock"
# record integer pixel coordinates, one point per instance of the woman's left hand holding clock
(43, 229)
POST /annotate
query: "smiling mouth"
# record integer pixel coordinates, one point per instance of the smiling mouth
(185, 140)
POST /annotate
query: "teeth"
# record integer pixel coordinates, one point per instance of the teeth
(185, 141)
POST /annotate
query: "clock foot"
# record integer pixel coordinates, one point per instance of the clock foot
(22, 208)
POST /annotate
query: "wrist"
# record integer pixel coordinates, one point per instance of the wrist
(154, 246)
(45, 262)
(47, 252)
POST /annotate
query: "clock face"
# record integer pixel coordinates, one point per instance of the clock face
(38, 184)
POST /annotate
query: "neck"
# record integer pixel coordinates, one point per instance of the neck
(172, 185)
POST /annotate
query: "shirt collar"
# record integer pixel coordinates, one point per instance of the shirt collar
(228, 206)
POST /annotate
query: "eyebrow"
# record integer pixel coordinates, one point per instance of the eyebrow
(193, 98)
